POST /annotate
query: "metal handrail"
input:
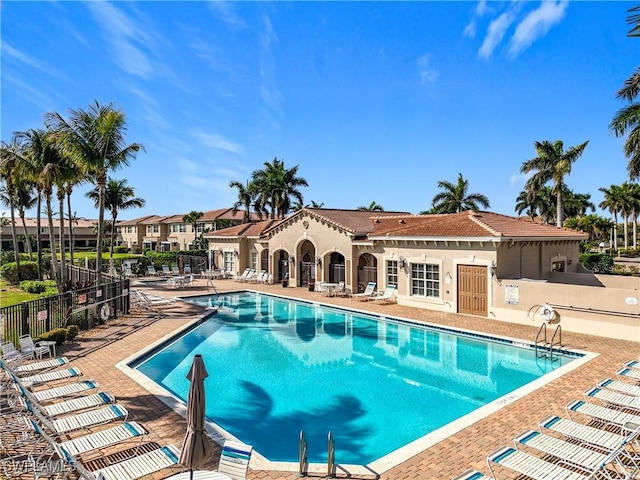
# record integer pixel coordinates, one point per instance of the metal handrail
(559, 342)
(331, 456)
(304, 450)
(543, 329)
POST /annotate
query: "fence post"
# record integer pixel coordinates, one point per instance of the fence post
(47, 322)
(25, 318)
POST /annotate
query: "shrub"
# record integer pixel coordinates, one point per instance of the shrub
(72, 332)
(28, 271)
(33, 286)
(120, 249)
(58, 335)
(597, 262)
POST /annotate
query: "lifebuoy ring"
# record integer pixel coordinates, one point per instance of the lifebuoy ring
(105, 313)
(547, 312)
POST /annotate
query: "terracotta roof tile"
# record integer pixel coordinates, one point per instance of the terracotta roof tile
(467, 224)
(253, 229)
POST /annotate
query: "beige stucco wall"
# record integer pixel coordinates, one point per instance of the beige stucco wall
(603, 311)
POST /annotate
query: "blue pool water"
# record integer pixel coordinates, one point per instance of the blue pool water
(278, 366)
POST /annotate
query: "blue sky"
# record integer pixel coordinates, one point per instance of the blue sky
(375, 101)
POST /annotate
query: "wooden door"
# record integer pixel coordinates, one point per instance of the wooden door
(472, 290)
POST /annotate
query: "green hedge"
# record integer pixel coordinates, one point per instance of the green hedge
(597, 262)
(28, 271)
(33, 286)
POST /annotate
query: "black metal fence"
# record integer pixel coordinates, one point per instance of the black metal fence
(84, 307)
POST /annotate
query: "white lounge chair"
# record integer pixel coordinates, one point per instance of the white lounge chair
(83, 402)
(604, 415)
(64, 391)
(388, 296)
(245, 274)
(136, 467)
(84, 420)
(611, 397)
(151, 271)
(632, 374)
(369, 291)
(570, 453)
(234, 459)
(49, 377)
(43, 365)
(175, 270)
(11, 354)
(619, 386)
(584, 434)
(530, 465)
(166, 271)
(30, 348)
(471, 475)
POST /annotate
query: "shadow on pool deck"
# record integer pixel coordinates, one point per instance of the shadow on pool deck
(97, 352)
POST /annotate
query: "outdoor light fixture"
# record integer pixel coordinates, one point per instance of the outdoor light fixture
(293, 260)
(318, 260)
(494, 267)
(402, 262)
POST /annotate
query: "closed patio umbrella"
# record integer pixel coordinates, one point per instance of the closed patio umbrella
(197, 446)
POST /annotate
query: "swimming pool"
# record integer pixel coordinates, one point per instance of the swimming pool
(278, 366)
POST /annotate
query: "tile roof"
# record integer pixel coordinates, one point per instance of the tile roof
(208, 216)
(357, 222)
(467, 224)
(252, 229)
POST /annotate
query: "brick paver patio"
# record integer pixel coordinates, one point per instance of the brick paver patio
(96, 353)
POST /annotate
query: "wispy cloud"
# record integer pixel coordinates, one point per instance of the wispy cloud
(226, 12)
(536, 24)
(426, 72)
(271, 95)
(495, 33)
(19, 58)
(519, 179)
(124, 37)
(480, 10)
(218, 142)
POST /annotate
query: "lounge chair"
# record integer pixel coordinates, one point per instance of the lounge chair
(136, 467)
(584, 434)
(619, 386)
(632, 374)
(43, 365)
(613, 398)
(49, 377)
(84, 420)
(530, 465)
(30, 348)
(151, 271)
(234, 459)
(166, 271)
(471, 475)
(368, 292)
(64, 391)
(175, 270)
(569, 453)
(11, 354)
(83, 402)
(604, 415)
(388, 296)
(245, 274)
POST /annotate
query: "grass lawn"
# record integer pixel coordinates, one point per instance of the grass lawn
(11, 295)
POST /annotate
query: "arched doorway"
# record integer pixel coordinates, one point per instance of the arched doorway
(306, 265)
(280, 265)
(367, 270)
(336, 268)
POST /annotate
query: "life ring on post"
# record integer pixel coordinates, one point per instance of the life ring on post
(547, 312)
(105, 312)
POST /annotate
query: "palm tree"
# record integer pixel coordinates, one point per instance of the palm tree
(118, 195)
(192, 218)
(526, 202)
(627, 119)
(455, 197)
(10, 157)
(245, 199)
(372, 207)
(634, 205)
(577, 204)
(613, 201)
(26, 199)
(551, 165)
(96, 140)
(275, 185)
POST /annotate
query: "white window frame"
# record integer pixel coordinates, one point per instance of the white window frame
(254, 260)
(429, 269)
(391, 273)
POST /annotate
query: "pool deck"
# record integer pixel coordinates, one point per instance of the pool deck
(97, 352)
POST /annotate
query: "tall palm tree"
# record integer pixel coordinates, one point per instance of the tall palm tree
(10, 157)
(25, 200)
(577, 204)
(613, 201)
(192, 218)
(526, 202)
(96, 139)
(551, 165)
(627, 119)
(455, 197)
(118, 195)
(245, 199)
(634, 204)
(372, 207)
(274, 187)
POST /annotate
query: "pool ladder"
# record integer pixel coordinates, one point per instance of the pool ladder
(542, 343)
(303, 465)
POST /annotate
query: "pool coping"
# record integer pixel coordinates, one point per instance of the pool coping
(386, 462)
